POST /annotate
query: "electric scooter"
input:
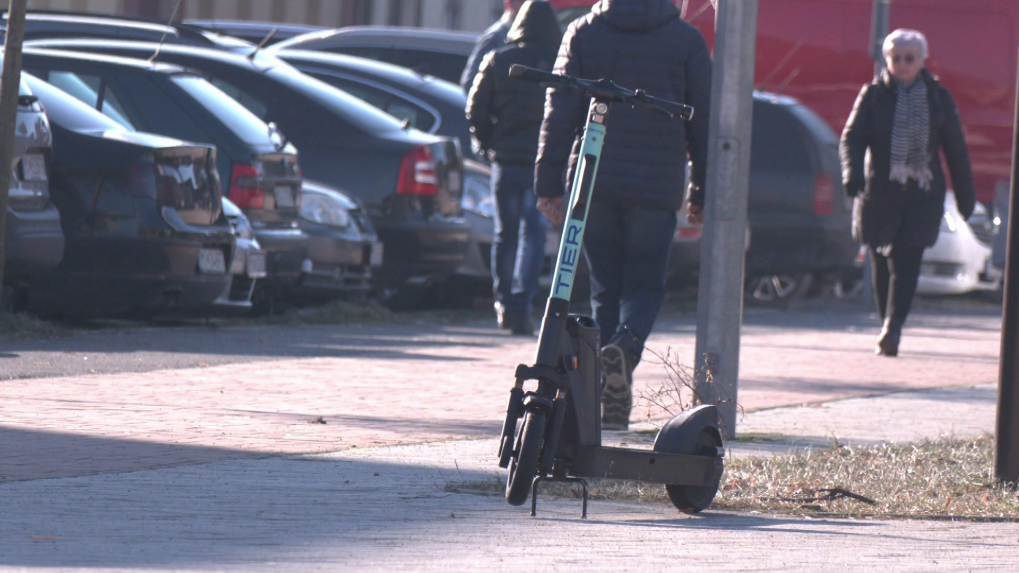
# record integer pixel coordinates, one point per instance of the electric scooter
(553, 432)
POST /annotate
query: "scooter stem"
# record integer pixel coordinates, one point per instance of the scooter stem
(558, 307)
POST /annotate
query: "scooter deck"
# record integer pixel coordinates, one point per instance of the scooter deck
(646, 465)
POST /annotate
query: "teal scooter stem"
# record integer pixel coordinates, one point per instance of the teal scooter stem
(558, 437)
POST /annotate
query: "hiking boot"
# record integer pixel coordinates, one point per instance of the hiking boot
(519, 323)
(617, 396)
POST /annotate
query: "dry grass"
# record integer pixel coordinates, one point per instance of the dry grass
(22, 326)
(938, 479)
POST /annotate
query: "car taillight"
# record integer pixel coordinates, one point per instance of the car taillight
(247, 187)
(417, 173)
(824, 195)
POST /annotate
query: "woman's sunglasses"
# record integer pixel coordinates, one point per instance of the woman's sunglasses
(908, 59)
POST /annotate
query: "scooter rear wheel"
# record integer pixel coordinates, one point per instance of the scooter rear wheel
(524, 466)
(691, 499)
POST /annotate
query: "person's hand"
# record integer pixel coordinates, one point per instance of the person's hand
(694, 214)
(553, 208)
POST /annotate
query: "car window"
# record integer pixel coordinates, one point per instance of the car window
(779, 142)
(245, 124)
(362, 116)
(387, 101)
(253, 104)
(89, 89)
(67, 111)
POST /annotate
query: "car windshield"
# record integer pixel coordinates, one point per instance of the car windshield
(364, 116)
(241, 122)
(67, 111)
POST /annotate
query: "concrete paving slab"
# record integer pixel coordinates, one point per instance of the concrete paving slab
(389, 509)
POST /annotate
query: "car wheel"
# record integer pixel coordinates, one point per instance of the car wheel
(847, 288)
(776, 290)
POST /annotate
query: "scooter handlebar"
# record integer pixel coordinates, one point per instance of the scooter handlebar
(603, 90)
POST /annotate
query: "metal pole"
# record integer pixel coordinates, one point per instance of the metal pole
(720, 291)
(10, 80)
(878, 31)
(1006, 435)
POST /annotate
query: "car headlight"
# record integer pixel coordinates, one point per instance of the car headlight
(477, 196)
(949, 223)
(324, 210)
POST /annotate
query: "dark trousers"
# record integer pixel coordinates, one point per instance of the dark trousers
(627, 251)
(895, 277)
(518, 249)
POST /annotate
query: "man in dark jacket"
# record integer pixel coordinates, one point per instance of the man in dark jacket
(492, 38)
(638, 44)
(505, 115)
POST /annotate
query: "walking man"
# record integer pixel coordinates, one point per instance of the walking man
(638, 44)
(505, 115)
(492, 38)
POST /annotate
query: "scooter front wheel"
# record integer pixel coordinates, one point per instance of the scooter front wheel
(524, 466)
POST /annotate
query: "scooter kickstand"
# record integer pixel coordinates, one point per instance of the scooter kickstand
(539, 479)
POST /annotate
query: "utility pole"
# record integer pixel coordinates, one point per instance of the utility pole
(1006, 434)
(878, 31)
(720, 290)
(10, 80)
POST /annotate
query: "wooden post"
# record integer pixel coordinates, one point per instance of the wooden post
(10, 80)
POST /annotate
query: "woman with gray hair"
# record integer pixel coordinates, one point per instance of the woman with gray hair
(891, 165)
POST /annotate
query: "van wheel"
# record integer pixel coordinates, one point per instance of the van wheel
(776, 290)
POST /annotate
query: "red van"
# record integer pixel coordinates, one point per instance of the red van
(818, 53)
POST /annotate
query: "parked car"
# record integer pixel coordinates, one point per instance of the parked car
(427, 103)
(73, 24)
(344, 246)
(141, 216)
(959, 262)
(248, 264)
(255, 32)
(410, 182)
(800, 218)
(439, 53)
(260, 169)
(34, 242)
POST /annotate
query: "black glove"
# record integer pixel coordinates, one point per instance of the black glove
(965, 207)
(855, 187)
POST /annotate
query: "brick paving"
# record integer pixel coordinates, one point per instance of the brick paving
(399, 384)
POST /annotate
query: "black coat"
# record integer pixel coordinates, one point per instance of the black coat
(639, 44)
(505, 113)
(887, 212)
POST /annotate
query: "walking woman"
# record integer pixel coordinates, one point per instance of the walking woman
(891, 164)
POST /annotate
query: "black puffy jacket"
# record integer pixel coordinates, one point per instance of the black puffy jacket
(639, 44)
(885, 211)
(505, 113)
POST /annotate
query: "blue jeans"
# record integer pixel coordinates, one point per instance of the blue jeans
(517, 256)
(627, 252)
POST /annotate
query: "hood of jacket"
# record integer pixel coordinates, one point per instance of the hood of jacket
(536, 23)
(635, 15)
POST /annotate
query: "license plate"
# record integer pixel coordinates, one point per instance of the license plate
(376, 258)
(211, 261)
(284, 196)
(33, 167)
(256, 265)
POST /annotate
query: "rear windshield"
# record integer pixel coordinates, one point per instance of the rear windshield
(365, 117)
(236, 117)
(67, 111)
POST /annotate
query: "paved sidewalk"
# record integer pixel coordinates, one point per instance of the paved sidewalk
(229, 468)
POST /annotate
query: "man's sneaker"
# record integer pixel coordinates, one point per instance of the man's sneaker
(617, 397)
(519, 323)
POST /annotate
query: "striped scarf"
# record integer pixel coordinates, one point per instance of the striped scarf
(910, 135)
